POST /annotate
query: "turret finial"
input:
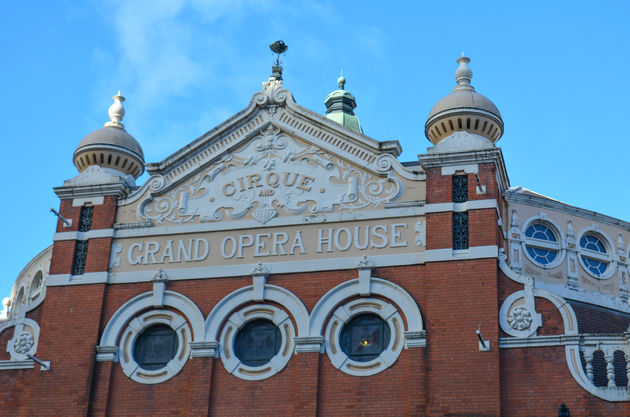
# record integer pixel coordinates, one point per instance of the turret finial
(116, 112)
(341, 81)
(463, 74)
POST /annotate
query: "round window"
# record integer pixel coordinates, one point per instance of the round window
(541, 244)
(257, 342)
(364, 337)
(594, 255)
(155, 346)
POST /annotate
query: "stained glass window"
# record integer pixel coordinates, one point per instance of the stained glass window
(460, 188)
(80, 256)
(155, 346)
(365, 337)
(542, 244)
(460, 230)
(257, 342)
(85, 218)
(594, 257)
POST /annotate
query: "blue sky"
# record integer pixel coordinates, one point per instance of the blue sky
(554, 69)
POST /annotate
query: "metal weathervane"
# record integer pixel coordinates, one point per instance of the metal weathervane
(278, 47)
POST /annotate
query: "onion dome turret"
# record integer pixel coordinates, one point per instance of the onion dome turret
(111, 146)
(464, 110)
(340, 105)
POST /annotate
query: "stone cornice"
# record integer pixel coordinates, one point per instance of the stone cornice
(68, 192)
(495, 155)
(514, 196)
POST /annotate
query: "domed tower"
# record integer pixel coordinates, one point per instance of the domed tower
(340, 105)
(111, 146)
(464, 110)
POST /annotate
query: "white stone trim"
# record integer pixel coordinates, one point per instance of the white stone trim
(128, 339)
(343, 216)
(87, 278)
(92, 234)
(537, 341)
(542, 218)
(11, 365)
(203, 349)
(343, 315)
(307, 344)
(473, 252)
(246, 295)
(490, 203)
(610, 251)
(322, 264)
(93, 201)
(351, 288)
(467, 168)
(238, 320)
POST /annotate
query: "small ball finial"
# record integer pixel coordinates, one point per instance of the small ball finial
(116, 112)
(342, 82)
(463, 74)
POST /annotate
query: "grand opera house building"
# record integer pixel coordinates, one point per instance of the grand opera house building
(284, 263)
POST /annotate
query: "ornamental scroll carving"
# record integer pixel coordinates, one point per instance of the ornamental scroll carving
(273, 174)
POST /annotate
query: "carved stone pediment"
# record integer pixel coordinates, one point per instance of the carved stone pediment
(270, 175)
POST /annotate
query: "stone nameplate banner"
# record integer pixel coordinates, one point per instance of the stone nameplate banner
(374, 237)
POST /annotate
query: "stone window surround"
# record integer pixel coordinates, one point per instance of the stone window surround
(136, 326)
(237, 321)
(308, 328)
(343, 314)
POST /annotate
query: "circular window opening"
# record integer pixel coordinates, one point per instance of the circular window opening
(155, 347)
(257, 342)
(365, 337)
(594, 256)
(542, 245)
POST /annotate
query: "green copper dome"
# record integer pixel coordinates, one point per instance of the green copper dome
(340, 105)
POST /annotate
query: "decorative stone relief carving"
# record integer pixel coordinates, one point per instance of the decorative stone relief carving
(24, 340)
(114, 261)
(572, 269)
(623, 284)
(520, 318)
(421, 233)
(24, 343)
(515, 244)
(272, 174)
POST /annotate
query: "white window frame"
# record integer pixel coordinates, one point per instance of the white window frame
(609, 257)
(136, 326)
